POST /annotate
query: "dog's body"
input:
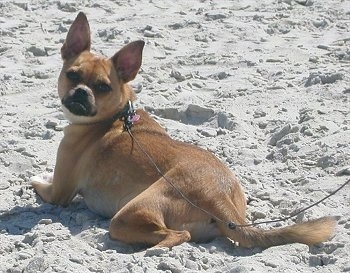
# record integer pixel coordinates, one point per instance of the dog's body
(99, 159)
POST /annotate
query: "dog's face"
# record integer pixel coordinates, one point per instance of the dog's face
(93, 88)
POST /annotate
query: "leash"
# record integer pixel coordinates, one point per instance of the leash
(130, 117)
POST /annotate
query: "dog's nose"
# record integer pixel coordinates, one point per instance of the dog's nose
(80, 94)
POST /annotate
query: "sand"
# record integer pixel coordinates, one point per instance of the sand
(262, 84)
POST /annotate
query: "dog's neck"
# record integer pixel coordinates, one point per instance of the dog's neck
(127, 115)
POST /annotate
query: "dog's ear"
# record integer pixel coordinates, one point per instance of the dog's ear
(127, 61)
(78, 37)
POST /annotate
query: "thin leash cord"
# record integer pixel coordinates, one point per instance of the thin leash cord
(170, 182)
(282, 219)
(230, 225)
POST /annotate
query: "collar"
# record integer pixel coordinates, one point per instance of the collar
(127, 115)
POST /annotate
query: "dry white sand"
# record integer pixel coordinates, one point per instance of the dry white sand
(262, 84)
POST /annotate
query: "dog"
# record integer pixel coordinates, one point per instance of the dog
(157, 191)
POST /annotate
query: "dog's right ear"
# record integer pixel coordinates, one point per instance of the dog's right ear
(78, 37)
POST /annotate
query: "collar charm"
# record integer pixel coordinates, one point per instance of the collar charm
(130, 117)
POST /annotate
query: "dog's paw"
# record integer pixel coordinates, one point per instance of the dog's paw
(41, 178)
(42, 185)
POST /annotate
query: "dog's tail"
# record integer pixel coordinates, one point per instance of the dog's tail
(309, 233)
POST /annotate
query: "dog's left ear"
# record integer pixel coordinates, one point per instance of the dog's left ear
(78, 37)
(127, 61)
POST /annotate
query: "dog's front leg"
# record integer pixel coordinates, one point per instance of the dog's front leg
(52, 189)
(61, 186)
(42, 184)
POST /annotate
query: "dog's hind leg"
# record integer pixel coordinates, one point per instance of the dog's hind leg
(146, 229)
(141, 220)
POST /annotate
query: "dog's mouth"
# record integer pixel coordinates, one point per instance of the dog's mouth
(79, 108)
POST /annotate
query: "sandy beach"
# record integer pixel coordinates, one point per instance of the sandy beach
(264, 85)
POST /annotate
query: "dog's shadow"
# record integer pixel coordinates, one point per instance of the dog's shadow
(79, 220)
(21, 219)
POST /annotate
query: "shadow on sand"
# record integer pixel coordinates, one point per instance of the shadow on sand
(78, 219)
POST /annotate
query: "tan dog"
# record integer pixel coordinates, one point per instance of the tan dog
(98, 159)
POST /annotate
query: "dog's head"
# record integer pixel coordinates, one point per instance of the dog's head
(93, 88)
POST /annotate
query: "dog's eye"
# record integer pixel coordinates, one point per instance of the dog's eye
(73, 76)
(102, 88)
